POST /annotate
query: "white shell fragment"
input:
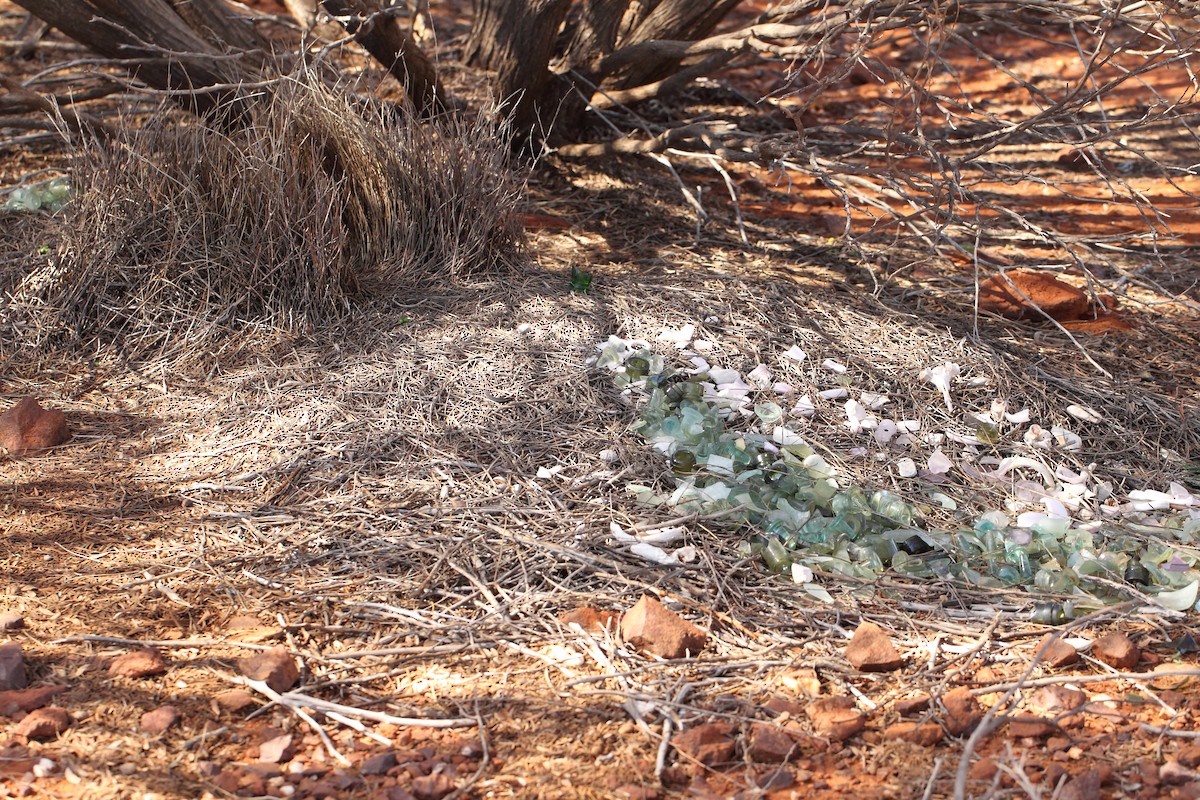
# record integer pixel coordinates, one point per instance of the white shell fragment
(1084, 414)
(907, 468)
(939, 463)
(833, 394)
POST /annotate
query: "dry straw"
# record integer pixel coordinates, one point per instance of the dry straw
(184, 237)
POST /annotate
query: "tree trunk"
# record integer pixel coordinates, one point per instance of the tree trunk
(516, 39)
(385, 39)
(147, 30)
(685, 20)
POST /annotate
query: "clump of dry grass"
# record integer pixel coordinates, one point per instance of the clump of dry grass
(183, 235)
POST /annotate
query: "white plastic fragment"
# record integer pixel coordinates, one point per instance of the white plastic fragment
(1084, 413)
(906, 467)
(702, 346)
(833, 394)
(941, 378)
(795, 354)
(782, 388)
(833, 366)
(548, 472)
(801, 573)
(908, 425)
(680, 338)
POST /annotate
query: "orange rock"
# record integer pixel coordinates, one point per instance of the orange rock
(836, 717)
(962, 711)
(138, 664)
(926, 734)
(275, 667)
(28, 428)
(1117, 651)
(1054, 297)
(652, 628)
(44, 723)
(872, 651)
(589, 619)
(707, 744)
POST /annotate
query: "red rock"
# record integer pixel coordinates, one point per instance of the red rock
(245, 628)
(590, 620)
(1053, 700)
(24, 700)
(650, 627)
(378, 764)
(275, 667)
(1031, 727)
(44, 723)
(926, 734)
(1117, 651)
(984, 769)
(632, 791)
(1172, 773)
(777, 704)
(228, 781)
(397, 793)
(1189, 756)
(776, 780)
(914, 704)
(836, 717)
(12, 667)
(543, 222)
(233, 699)
(1085, 786)
(138, 664)
(706, 744)
(1054, 652)
(434, 786)
(276, 750)
(28, 428)
(768, 744)
(157, 721)
(872, 651)
(1056, 298)
(962, 711)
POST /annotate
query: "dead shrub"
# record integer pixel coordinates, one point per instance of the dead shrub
(183, 238)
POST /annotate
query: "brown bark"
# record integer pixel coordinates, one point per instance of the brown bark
(167, 52)
(594, 35)
(670, 19)
(516, 39)
(387, 41)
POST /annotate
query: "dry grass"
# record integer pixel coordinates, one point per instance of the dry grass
(184, 239)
